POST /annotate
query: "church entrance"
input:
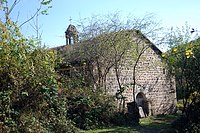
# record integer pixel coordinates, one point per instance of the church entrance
(142, 104)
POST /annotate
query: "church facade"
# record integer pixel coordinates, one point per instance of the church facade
(154, 88)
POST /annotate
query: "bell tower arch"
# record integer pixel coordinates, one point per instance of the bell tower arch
(71, 35)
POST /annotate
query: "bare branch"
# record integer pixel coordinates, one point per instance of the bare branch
(13, 6)
(31, 17)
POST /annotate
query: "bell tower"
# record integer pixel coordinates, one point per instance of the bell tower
(71, 35)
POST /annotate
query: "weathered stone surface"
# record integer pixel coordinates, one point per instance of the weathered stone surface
(152, 80)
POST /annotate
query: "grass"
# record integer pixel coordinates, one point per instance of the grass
(151, 124)
(157, 123)
(114, 130)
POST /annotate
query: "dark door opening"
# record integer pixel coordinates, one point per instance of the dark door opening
(142, 104)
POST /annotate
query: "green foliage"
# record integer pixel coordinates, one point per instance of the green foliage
(46, 2)
(184, 61)
(89, 109)
(189, 122)
(48, 6)
(34, 98)
(29, 100)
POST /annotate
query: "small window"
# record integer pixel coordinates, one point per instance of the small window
(164, 71)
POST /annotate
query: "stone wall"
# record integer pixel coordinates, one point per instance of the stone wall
(152, 80)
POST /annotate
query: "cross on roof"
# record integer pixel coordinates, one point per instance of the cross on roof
(70, 20)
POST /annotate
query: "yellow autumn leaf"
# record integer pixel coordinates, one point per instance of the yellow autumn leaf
(189, 51)
(175, 50)
(163, 55)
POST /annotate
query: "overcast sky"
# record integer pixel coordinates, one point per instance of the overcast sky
(171, 13)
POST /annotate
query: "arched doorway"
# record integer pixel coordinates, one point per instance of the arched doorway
(142, 104)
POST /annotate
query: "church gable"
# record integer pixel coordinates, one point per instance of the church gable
(152, 80)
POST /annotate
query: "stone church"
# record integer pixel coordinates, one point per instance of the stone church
(154, 88)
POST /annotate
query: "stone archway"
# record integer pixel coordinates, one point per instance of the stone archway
(142, 104)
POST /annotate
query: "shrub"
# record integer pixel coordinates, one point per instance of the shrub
(89, 109)
(189, 121)
(29, 101)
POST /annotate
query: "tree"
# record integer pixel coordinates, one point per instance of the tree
(184, 61)
(29, 101)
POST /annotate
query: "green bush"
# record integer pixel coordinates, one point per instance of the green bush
(89, 109)
(29, 99)
(190, 120)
